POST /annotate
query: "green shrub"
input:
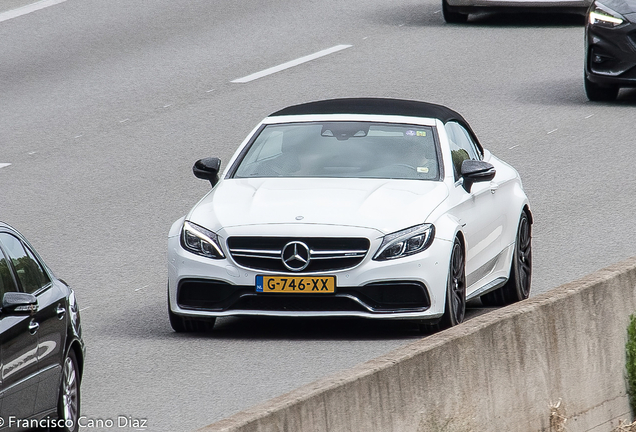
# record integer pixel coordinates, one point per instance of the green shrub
(630, 348)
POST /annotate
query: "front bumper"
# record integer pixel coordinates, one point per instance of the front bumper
(610, 57)
(409, 287)
(552, 6)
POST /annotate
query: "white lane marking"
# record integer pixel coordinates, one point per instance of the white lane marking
(553, 131)
(291, 64)
(139, 289)
(514, 146)
(14, 13)
(589, 116)
(32, 153)
(79, 136)
(166, 106)
(209, 91)
(4, 165)
(83, 309)
(124, 120)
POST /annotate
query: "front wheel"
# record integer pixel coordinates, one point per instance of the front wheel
(68, 405)
(518, 286)
(455, 310)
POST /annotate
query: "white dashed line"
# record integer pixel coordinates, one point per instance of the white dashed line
(166, 106)
(83, 309)
(591, 115)
(79, 136)
(14, 13)
(139, 289)
(552, 131)
(209, 91)
(290, 64)
(31, 153)
(124, 120)
(4, 165)
(515, 146)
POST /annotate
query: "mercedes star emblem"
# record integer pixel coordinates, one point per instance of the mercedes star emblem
(296, 256)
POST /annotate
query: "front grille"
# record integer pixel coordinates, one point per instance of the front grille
(327, 254)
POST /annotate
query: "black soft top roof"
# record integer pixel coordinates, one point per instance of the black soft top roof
(379, 106)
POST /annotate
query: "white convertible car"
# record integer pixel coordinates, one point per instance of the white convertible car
(371, 208)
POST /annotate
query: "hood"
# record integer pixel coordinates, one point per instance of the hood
(381, 204)
(623, 7)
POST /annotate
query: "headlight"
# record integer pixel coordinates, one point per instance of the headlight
(406, 242)
(198, 240)
(604, 16)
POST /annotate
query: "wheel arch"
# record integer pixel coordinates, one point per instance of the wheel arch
(528, 212)
(76, 348)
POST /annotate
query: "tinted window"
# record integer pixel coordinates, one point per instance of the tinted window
(30, 273)
(461, 145)
(342, 150)
(6, 280)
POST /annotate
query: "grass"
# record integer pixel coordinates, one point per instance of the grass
(630, 351)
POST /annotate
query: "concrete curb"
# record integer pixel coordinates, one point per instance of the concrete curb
(558, 357)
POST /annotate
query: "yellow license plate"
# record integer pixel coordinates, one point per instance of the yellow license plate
(296, 284)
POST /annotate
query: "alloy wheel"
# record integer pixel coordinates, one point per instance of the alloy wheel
(524, 257)
(70, 391)
(457, 285)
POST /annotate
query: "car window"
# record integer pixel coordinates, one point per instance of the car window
(271, 147)
(461, 145)
(342, 150)
(6, 280)
(29, 271)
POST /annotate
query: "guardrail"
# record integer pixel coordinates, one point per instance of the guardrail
(554, 360)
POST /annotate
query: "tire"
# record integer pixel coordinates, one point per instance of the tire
(68, 404)
(452, 17)
(517, 287)
(455, 309)
(182, 324)
(598, 93)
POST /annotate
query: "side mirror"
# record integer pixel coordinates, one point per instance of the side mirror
(207, 169)
(474, 171)
(19, 303)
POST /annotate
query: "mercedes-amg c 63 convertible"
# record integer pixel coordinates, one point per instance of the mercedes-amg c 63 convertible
(372, 208)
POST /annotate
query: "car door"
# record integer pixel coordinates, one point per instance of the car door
(18, 351)
(480, 211)
(50, 318)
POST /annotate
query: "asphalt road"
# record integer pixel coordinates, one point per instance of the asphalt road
(104, 106)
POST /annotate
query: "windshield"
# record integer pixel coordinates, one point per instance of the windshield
(342, 149)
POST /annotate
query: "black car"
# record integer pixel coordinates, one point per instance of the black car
(41, 346)
(610, 48)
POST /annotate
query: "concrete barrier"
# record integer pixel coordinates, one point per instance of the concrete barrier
(557, 359)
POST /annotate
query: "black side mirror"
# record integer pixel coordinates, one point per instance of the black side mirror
(474, 171)
(207, 169)
(19, 303)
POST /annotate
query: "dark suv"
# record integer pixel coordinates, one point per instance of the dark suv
(41, 346)
(610, 53)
